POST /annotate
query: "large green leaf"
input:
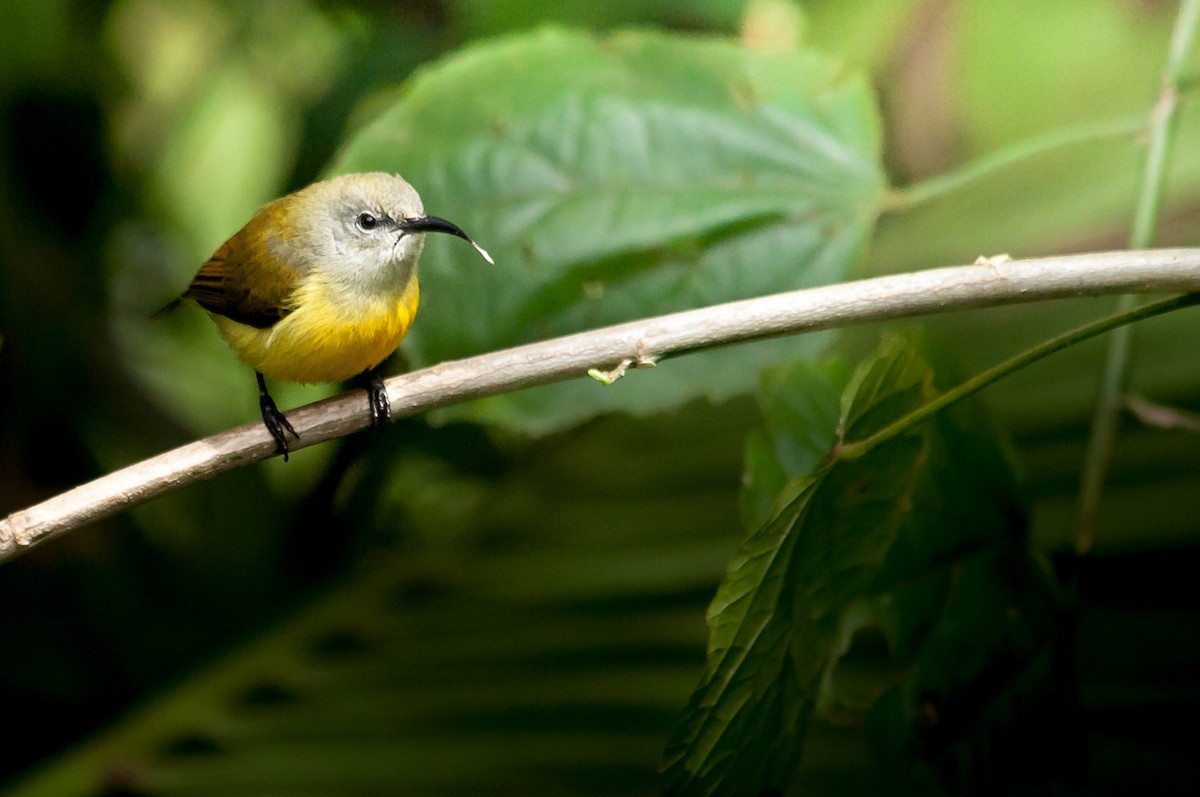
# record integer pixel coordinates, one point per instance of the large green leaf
(955, 648)
(621, 177)
(894, 591)
(774, 622)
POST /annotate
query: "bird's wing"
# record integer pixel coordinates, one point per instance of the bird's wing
(245, 280)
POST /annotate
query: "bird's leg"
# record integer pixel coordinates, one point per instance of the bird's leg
(275, 421)
(377, 397)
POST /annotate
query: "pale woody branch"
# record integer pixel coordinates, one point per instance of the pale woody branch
(993, 282)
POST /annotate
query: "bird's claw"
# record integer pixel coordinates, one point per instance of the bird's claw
(377, 398)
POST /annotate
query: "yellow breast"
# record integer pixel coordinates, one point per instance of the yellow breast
(325, 339)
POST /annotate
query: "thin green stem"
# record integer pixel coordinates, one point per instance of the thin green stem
(1115, 376)
(856, 449)
(1162, 126)
(935, 187)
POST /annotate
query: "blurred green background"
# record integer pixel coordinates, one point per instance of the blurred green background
(511, 597)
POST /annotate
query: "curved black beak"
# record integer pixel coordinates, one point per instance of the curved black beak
(436, 224)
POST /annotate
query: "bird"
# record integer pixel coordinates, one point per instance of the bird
(321, 285)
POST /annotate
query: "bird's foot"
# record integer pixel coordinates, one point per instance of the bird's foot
(275, 421)
(377, 397)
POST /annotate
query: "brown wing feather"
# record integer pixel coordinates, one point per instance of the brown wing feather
(244, 280)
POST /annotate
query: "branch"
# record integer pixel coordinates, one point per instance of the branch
(994, 282)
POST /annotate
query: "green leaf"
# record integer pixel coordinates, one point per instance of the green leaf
(959, 621)
(622, 177)
(880, 591)
(799, 404)
(774, 622)
(894, 383)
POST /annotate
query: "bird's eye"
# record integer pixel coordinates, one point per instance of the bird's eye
(366, 221)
